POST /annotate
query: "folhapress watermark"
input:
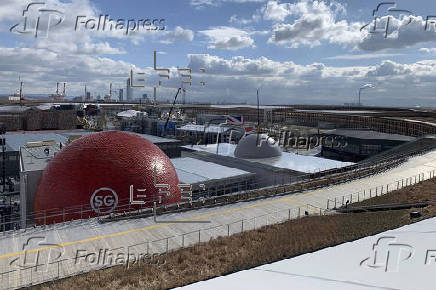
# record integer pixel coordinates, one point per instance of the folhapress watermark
(106, 23)
(39, 20)
(387, 255)
(105, 257)
(38, 255)
(382, 22)
(402, 253)
(288, 139)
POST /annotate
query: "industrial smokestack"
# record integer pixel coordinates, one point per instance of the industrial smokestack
(64, 90)
(57, 88)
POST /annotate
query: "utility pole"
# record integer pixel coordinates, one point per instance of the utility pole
(21, 93)
(154, 96)
(3, 143)
(258, 119)
(184, 94)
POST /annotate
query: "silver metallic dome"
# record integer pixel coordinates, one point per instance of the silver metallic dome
(251, 146)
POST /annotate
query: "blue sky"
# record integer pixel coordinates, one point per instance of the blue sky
(296, 52)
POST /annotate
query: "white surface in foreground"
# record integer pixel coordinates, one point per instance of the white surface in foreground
(288, 160)
(404, 258)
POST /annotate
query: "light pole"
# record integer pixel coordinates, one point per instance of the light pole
(218, 136)
(367, 86)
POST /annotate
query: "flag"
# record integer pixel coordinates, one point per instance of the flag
(235, 120)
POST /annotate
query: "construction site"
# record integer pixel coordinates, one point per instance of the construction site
(217, 171)
(227, 144)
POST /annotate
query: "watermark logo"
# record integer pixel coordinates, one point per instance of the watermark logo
(117, 256)
(287, 139)
(128, 26)
(378, 26)
(383, 24)
(104, 200)
(162, 197)
(387, 255)
(38, 254)
(37, 19)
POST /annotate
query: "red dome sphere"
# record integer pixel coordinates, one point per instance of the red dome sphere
(98, 173)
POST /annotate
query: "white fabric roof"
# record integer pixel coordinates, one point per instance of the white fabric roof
(192, 170)
(200, 128)
(307, 164)
(129, 114)
(404, 259)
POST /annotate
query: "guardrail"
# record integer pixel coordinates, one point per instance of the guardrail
(224, 195)
(42, 273)
(378, 190)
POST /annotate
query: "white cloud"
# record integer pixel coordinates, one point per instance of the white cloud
(236, 79)
(402, 32)
(89, 48)
(201, 3)
(428, 50)
(389, 68)
(205, 3)
(244, 21)
(228, 38)
(11, 9)
(363, 56)
(178, 34)
(63, 54)
(320, 20)
(315, 21)
(77, 12)
(40, 69)
(275, 11)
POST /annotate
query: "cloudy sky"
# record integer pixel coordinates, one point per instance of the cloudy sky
(295, 52)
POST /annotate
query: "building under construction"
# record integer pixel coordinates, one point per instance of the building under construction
(386, 120)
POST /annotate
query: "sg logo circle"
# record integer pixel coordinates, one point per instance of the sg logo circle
(104, 200)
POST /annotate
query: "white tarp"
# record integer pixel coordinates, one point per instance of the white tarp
(307, 164)
(403, 258)
(129, 114)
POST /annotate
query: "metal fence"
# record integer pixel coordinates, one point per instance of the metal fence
(379, 190)
(79, 212)
(41, 273)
